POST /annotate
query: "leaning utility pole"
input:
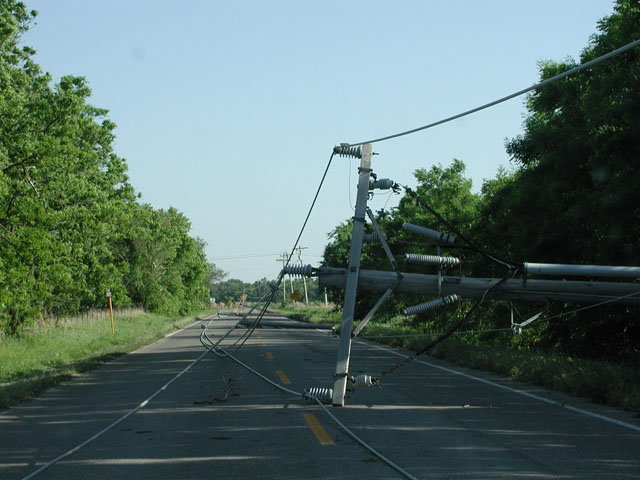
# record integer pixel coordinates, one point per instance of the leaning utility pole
(351, 285)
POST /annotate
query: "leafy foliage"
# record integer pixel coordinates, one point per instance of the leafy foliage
(231, 290)
(573, 198)
(447, 190)
(70, 226)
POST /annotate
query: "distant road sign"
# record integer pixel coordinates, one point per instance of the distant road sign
(296, 296)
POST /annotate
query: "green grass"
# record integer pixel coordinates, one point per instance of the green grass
(38, 359)
(311, 314)
(617, 385)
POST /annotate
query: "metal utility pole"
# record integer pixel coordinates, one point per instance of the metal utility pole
(304, 279)
(284, 257)
(344, 347)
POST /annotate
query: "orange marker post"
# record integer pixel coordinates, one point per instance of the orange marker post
(108, 293)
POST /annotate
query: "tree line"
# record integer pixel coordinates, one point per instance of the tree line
(231, 290)
(570, 195)
(71, 225)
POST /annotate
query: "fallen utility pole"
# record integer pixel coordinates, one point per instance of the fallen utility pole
(516, 289)
(581, 270)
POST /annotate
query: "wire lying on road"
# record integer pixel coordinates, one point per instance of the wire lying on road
(221, 352)
(458, 332)
(364, 444)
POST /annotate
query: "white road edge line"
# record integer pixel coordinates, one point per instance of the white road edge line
(124, 417)
(513, 390)
(168, 335)
(188, 326)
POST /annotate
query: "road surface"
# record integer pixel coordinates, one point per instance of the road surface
(218, 420)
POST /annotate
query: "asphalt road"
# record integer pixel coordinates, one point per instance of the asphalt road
(218, 420)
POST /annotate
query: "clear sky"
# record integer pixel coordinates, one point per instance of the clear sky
(229, 111)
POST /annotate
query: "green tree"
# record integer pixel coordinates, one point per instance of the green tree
(70, 226)
(573, 198)
(217, 274)
(446, 190)
(232, 288)
(169, 271)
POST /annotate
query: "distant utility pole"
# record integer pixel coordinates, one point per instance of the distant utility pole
(284, 258)
(304, 279)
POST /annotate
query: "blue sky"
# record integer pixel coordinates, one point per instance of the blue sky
(229, 111)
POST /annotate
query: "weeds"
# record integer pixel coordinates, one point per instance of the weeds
(601, 381)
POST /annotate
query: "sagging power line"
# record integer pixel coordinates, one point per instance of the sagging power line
(560, 76)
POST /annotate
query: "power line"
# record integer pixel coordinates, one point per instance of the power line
(449, 332)
(494, 258)
(580, 309)
(222, 353)
(253, 255)
(268, 301)
(508, 97)
(417, 335)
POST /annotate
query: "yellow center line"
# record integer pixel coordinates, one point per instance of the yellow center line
(269, 355)
(317, 429)
(264, 344)
(282, 376)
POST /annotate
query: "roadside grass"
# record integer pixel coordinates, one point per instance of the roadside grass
(613, 384)
(311, 314)
(616, 385)
(45, 356)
